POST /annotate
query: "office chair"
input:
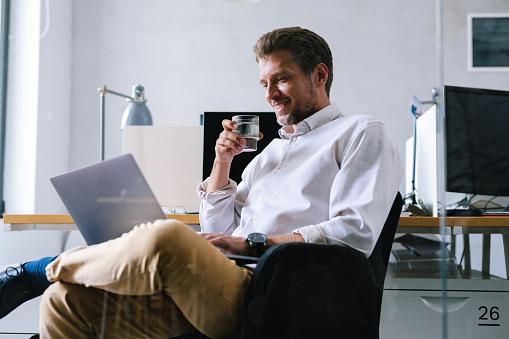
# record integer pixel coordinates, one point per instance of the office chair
(302, 290)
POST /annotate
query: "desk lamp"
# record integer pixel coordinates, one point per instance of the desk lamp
(136, 112)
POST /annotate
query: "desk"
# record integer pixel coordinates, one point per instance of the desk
(453, 226)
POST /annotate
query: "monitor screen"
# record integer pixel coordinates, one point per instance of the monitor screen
(212, 127)
(476, 140)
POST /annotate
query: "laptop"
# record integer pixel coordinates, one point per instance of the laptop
(109, 198)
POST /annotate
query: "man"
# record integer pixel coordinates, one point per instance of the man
(330, 179)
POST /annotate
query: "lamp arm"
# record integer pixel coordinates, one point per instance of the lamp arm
(103, 90)
(120, 94)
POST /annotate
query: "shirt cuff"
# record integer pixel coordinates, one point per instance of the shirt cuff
(312, 234)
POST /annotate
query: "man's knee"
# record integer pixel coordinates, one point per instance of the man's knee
(172, 246)
(52, 297)
(166, 235)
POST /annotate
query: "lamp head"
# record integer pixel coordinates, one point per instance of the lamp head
(136, 112)
(138, 93)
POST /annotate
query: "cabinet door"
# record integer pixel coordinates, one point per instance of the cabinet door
(470, 314)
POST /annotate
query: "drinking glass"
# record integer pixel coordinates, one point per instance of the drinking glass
(249, 129)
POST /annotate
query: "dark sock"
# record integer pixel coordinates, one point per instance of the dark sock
(35, 273)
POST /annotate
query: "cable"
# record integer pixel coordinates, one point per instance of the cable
(487, 202)
(485, 208)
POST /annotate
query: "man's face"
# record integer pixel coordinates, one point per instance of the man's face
(288, 90)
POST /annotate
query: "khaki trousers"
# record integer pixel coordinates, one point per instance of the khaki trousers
(158, 281)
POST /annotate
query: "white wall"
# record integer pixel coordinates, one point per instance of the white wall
(53, 129)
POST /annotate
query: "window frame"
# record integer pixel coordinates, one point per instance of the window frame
(4, 53)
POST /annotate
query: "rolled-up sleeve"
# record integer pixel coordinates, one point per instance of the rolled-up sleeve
(217, 208)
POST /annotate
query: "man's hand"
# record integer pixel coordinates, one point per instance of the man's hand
(228, 145)
(228, 243)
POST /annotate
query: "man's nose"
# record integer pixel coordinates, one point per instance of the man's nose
(272, 92)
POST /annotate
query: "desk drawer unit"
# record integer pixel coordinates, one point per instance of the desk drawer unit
(418, 314)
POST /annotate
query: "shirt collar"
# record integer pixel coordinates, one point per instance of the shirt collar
(314, 121)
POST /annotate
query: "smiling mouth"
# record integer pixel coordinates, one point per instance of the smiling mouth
(279, 105)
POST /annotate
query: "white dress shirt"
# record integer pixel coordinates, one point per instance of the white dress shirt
(333, 181)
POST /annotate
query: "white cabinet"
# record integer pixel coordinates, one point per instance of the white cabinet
(476, 308)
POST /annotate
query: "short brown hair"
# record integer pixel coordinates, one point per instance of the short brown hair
(308, 49)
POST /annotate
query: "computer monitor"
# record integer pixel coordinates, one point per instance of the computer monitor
(476, 141)
(212, 127)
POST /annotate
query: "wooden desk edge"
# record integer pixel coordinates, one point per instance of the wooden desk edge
(37, 219)
(423, 221)
(480, 221)
(66, 218)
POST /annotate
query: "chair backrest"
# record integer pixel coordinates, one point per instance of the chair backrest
(379, 258)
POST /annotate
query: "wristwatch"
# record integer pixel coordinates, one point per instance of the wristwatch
(257, 242)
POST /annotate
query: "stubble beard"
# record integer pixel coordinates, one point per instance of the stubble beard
(300, 111)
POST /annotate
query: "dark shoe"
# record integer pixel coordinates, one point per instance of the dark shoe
(14, 290)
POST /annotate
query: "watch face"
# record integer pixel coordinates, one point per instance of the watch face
(257, 237)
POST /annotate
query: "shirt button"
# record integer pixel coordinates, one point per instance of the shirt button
(272, 197)
(253, 217)
(280, 166)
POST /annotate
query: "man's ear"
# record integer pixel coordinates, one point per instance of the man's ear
(322, 74)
